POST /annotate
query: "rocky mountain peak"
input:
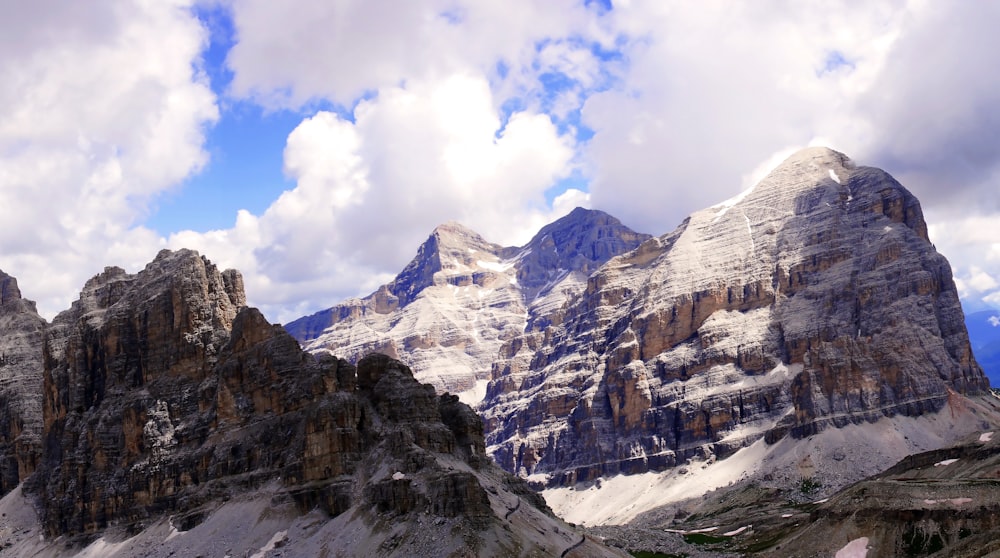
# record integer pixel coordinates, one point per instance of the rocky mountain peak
(450, 249)
(580, 241)
(8, 289)
(448, 312)
(21, 333)
(811, 301)
(162, 397)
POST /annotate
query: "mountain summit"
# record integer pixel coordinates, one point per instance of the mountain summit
(813, 301)
(170, 419)
(461, 298)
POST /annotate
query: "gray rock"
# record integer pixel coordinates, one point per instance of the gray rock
(21, 331)
(448, 313)
(166, 398)
(814, 300)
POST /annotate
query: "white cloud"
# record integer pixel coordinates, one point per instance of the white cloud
(295, 51)
(704, 99)
(994, 321)
(368, 192)
(712, 90)
(688, 104)
(102, 110)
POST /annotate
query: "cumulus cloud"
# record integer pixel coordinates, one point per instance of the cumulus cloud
(426, 111)
(712, 90)
(103, 109)
(293, 52)
(369, 191)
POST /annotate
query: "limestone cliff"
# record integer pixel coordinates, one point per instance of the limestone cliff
(813, 300)
(166, 397)
(461, 298)
(21, 330)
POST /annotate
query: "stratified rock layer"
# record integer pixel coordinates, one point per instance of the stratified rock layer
(461, 298)
(21, 331)
(165, 394)
(813, 300)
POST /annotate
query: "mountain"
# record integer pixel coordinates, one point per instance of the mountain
(461, 298)
(21, 330)
(984, 334)
(779, 333)
(176, 421)
(939, 503)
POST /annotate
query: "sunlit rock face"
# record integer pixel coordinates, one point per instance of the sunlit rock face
(448, 313)
(163, 396)
(21, 331)
(811, 301)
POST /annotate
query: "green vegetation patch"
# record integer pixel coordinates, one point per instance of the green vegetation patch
(702, 538)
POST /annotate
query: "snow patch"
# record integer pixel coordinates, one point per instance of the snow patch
(621, 498)
(101, 548)
(398, 475)
(823, 501)
(945, 463)
(858, 548)
(985, 436)
(495, 266)
(834, 177)
(474, 395)
(728, 204)
(271, 544)
(750, 233)
(692, 531)
(737, 531)
(786, 515)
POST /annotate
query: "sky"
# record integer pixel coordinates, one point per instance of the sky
(313, 145)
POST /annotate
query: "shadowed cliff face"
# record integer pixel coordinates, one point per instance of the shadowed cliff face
(21, 330)
(164, 394)
(813, 300)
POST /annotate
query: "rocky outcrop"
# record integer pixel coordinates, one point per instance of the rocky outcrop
(21, 331)
(936, 503)
(461, 298)
(165, 396)
(813, 300)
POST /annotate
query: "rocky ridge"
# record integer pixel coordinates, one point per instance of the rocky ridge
(172, 410)
(461, 298)
(935, 503)
(812, 301)
(21, 330)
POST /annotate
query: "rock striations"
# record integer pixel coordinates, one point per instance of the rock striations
(461, 298)
(812, 300)
(21, 330)
(171, 409)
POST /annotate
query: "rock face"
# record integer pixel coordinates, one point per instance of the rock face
(21, 331)
(461, 298)
(940, 503)
(813, 300)
(165, 395)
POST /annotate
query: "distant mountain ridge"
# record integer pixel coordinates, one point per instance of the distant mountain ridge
(452, 307)
(984, 334)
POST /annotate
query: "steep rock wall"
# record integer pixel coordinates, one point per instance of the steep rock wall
(813, 300)
(21, 331)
